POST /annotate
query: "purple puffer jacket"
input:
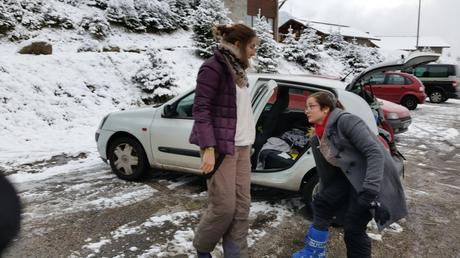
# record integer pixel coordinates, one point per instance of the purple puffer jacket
(214, 108)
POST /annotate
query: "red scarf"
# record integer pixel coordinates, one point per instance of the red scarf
(319, 128)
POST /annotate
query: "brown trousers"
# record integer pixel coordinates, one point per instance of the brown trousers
(229, 199)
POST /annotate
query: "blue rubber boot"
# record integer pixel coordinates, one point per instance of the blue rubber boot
(315, 244)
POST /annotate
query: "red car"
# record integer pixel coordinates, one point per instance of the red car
(396, 115)
(397, 87)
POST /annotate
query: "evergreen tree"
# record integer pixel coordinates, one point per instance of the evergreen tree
(183, 10)
(334, 44)
(290, 50)
(308, 49)
(156, 15)
(267, 52)
(207, 14)
(156, 80)
(354, 57)
(372, 55)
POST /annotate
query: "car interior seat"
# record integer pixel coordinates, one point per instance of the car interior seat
(270, 121)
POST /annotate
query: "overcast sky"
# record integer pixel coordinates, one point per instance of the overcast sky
(388, 17)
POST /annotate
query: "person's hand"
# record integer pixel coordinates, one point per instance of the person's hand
(381, 214)
(208, 160)
(366, 198)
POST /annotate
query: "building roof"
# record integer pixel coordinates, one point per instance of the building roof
(409, 42)
(327, 28)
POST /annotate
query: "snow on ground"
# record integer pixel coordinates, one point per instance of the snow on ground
(52, 104)
(177, 233)
(81, 185)
(428, 122)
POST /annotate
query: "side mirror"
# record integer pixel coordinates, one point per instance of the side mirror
(169, 111)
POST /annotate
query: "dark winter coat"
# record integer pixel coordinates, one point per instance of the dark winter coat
(365, 162)
(214, 108)
(9, 213)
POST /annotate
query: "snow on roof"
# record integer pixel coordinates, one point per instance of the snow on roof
(327, 28)
(409, 42)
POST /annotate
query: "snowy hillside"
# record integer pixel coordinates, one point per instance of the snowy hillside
(52, 104)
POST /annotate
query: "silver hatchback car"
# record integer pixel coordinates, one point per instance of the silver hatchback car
(134, 141)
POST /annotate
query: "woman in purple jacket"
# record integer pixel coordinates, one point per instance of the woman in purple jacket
(224, 129)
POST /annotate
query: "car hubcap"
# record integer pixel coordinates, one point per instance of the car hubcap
(126, 159)
(436, 97)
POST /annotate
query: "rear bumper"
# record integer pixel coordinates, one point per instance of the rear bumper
(421, 98)
(400, 125)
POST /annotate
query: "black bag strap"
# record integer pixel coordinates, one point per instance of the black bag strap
(217, 164)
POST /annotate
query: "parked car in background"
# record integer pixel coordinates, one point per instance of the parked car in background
(397, 87)
(133, 141)
(396, 115)
(441, 80)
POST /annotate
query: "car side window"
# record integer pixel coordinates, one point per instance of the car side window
(439, 71)
(377, 79)
(421, 71)
(185, 106)
(395, 79)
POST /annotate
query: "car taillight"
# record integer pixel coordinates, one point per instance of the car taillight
(454, 83)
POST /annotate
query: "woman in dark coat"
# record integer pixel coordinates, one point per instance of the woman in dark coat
(224, 129)
(10, 209)
(358, 179)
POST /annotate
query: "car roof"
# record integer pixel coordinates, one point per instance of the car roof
(314, 80)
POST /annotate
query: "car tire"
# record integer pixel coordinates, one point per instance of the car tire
(436, 96)
(127, 158)
(309, 189)
(410, 102)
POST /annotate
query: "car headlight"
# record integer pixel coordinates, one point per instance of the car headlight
(101, 124)
(392, 116)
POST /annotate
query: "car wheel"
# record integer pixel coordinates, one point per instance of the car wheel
(127, 158)
(436, 96)
(309, 189)
(410, 102)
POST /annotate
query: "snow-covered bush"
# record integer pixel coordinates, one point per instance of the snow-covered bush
(156, 15)
(90, 46)
(101, 4)
(156, 80)
(7, 21)
(267, 51)
(96, 25)
(37, 14)
(308, 50)
(122, 12)
(146, 15)
(207, 14)
(72, 2)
